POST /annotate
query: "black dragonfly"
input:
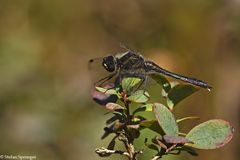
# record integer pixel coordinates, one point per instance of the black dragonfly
(132, 64)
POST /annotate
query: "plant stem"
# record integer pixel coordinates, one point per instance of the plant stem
(129, 143)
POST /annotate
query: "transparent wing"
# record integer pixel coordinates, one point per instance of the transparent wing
(97, 72)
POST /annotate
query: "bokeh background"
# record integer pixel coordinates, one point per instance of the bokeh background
(45, 104)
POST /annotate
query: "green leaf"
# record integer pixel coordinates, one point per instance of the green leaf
(165, 119)
(175, 139)
(151, 146)
(140, 96)
(189, 150)
(152, 125)
(136, 119)
(112, 144)
(112, 119)
(106, 91)
(144, 108)
(178, 93)
(162, 81)
(172, 84)
(129, 83)
(135, 133)
(113, 106)
(211, 134)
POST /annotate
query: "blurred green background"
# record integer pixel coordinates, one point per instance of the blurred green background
(45, 104)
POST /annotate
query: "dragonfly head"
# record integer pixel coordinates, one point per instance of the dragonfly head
(109, 63)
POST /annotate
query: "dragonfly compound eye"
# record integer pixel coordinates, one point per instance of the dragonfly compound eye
(109, 63)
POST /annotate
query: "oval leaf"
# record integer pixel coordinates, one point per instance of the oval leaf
(189, 150)
(165, 119)
(172, 84)
(129, 83)
(176, 139)
(106, 90)
(152, 125)
(152, 146)
(113, 106)
(144, 108)
(112, 144)
(102, 98)
(139, 96)
(162, 81)
(178, 93)
(211, 134)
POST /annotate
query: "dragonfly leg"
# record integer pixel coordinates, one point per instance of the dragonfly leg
(105, 79)
(144, 83)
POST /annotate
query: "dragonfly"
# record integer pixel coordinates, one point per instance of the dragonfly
(133, 64)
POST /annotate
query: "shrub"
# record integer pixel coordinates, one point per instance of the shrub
(127, 126)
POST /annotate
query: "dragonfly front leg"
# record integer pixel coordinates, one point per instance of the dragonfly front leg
(105, 79)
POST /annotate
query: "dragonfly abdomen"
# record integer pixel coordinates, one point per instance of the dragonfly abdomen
(152, 68)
